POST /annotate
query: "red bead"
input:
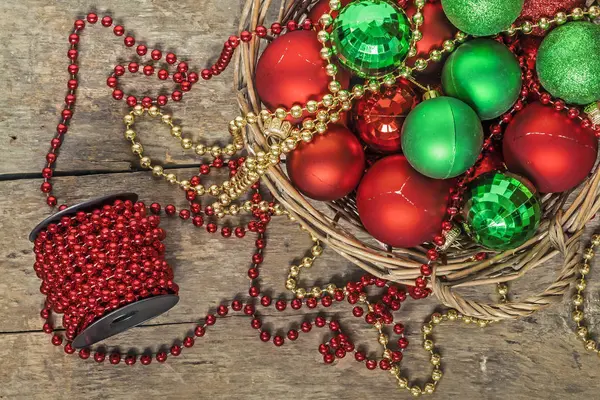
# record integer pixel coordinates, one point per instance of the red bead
(292, 334)
(236, 305)
(280, 305)
(73, 38)
(261, 31)
(210, 319)
(148, 70)
(141, 49)
(359, 356)
(92, 18)
(265, 336)
(426, 270)
(278, 341)
(371, 364)
(306, 326)
(320, 321)
(398, 329)
(340, 353)
(176, 95)
(46, 187)
(161, 357)
(146, 102)
(119, 70)
(57, 340)
(206, 74)
(246, 36)
(276, 28)
(170, 209)
(161, 100)
(403, 342)
(182, 67)
(163, 74)
(171, 58)
(296, 304)
(199, 331)
(84, 353)
(184, 214)
(188, 341)
(328, 358)
(133, 67)
(79, 24)
(115, 358)
(72, 54)
(129, 41)
(385, 365)
(117, 94)
(255, 323)
(119, 30)
(358, 311)
(185, 86)
(175, 350)
(265, 301)
(334, 326)
(131, 101)
(99, 356)
(156, 55)
(254, 291)
(130, 359)
(222, 310)
(106, 21)
(145, 359)
(111, 82)
(311, 302)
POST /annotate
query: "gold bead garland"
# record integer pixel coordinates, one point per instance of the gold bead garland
(578, 314)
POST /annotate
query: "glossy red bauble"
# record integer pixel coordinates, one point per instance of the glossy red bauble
(399, 206)
(378, 117)
(329, 167)
(533, 10)
(436, 29)
(291, 71)
(550, 149)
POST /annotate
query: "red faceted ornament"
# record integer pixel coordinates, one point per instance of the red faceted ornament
(533, 10)
(436, 29)
(322, 7)
(291, 71)
(399, 206)
(329, 167)
(378, 117)
(549, 148)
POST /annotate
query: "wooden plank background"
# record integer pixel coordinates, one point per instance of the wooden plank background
(537, 357)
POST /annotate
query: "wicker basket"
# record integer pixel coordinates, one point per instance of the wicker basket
(340, 228)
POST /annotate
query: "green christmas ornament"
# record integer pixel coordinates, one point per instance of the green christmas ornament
(482, 17)
(501, 211)
(568, 62)
(484, 74)
(442, 137)
(371, 37)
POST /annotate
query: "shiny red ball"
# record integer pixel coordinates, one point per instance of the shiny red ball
(329, 167)
(533, 10)
(548, 148)
(399, 206)
(436, 29)
(378, 117)
(291, 71)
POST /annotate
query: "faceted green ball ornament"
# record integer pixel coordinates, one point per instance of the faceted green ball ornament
(371, 37)
(568, 62)
(482, 17)
(484, 74)
(501, 211)
(442, 137)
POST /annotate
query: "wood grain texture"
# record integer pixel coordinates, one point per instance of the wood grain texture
(537, 357)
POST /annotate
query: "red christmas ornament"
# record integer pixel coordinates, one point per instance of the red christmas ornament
(399, 206)
(378, 117)
(548, 148)
(435, 29)
(533, 10)
(291, 71)
(322, 7)
(492, 161)
(329, 167)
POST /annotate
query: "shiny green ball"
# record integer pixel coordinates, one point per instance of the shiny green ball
(501, 211)
(568, 62)
(442, 137)
(484, 74)
(482, 17)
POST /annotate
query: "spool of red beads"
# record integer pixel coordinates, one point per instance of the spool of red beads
(102, 266)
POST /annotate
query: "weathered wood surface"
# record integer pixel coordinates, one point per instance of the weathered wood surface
(538, 357)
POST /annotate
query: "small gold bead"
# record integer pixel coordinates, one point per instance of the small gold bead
(527, 27)
(482, 323)
(428, 345)
(394, 370)
(502, 289)
(300, 293)
(544, 23)
(307, 262)
(436, 318)
(171, 178)
(187, 143)
(153, 111)
(402, 382)
(325, 20)
(377, 325)
(580, 285)
(290, 284)
(362, 297)
(435, 359)
(578, 299)
(584, 269)
(582, 332)
(588, 254)
(436, 55)
(577, 316)
(137, 148)
(138, 109)
(166, 118)
(176, 131)
(415, 391)
(311, 106)
(296, 111)
(200, 149)
(145, 162)
(577, 13)
(383, 339)
(429, 388)
(387, 354)
(427, 329)
(452, 315)
(467, 320)
(157, 170)
(185, 185)
(358, 91)
(561, 18)
(294, 270)
(594, 12)
(331, 288)
(130, 134)
(436, 375)
(590, 345)
(316, 250)
(448, 45)
(316, 291)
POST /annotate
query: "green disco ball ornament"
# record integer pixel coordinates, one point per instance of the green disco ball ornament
(568, 62)
(501, 211)
(442, 137)
(371, 37)
(482, 17)
(484, 74)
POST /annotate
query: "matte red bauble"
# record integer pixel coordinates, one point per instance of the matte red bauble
(533, 10)
(551, 150)
(322, 7)
(291, 71)
(329, 167)
(399, 206)
(378, 117)
(435, 29)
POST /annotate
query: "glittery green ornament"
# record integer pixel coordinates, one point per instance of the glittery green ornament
(371, 37)
(501, 211)
(484, 74)
(568, 62)
(442, 137)
(482, 17)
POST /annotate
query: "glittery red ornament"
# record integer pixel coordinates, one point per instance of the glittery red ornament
(322, 7)
(329, 167)
(378, 117)
(548, 148)
(435, 29)
(291, 71)
(533, 10)
(399, 206)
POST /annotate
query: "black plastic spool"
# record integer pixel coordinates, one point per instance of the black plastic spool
(121, 319)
